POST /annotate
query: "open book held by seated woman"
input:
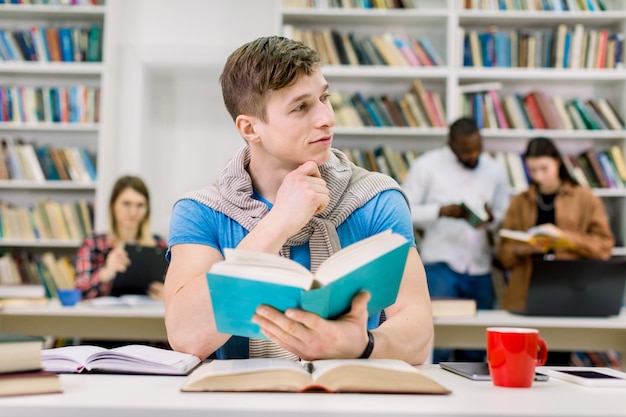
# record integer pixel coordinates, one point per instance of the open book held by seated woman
(556, 202)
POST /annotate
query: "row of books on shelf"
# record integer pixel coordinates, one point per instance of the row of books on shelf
(561, 47)
(546, 5)
(27, 104)
(34, 276)
(536, 110)
(21, 160)
(345, 48)
(349, 4)
(384, 159)
(52, 44)
(418, 107)
(590, 168)
(46, 220)
(609, 359)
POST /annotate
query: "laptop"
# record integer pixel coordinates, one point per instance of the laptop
(147, 264)
(576, 288)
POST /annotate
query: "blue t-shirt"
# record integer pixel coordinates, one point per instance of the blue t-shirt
(193, 222)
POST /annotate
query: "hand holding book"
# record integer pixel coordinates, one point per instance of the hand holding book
(375, 265)
(543, 237)
(474, 213)
(477, 214)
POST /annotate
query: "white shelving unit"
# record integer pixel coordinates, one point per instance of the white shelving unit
(23, 192)
(440, 21)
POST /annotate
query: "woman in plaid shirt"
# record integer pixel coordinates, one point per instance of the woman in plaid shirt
(102, 255)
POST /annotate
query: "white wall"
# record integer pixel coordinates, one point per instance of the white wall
(163, 115)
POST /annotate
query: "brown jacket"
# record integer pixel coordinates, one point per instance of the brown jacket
(578, 213)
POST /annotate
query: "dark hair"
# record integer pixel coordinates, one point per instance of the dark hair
(464, 126)
(541, 146)
(263, 65)
(137, 184)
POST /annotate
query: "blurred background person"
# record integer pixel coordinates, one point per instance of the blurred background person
(457, 255)
(102, 255)
(554, 202)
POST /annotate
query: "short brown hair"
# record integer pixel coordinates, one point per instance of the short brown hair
(262, 65)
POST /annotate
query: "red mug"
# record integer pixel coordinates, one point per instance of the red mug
(513, 353)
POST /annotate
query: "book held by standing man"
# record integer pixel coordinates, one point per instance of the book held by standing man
(375, 264)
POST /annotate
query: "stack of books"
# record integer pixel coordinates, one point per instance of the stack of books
(20, 367)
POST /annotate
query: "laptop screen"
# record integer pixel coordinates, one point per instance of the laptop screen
(576, 288)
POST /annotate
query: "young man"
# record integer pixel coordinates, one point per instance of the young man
(288, 192)
(457, 256)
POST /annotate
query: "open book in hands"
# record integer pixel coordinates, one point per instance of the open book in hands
(548, 237)
(334, 375)
(476, 214)
(247, 279)
(130, 359)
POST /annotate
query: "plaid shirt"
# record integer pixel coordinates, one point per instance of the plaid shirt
(91, 257)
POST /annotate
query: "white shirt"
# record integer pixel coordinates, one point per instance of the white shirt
(436, 179)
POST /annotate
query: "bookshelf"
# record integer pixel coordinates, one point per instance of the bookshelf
(446, 23)
(38, 119)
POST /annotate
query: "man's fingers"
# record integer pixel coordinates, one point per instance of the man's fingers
(309, 168)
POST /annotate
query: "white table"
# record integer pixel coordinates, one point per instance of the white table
(84, 321)
(155, 396)
(146, 323)
(560, 333)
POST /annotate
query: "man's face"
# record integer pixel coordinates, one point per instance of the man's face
(467, 149)
(299, 122)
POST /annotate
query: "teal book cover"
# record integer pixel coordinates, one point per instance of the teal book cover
(235, 299)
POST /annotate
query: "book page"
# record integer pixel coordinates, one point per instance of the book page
(68, 358)
(515, 235)
(542, 231)
(356, 255)
(373, 376)
(142, 359)
(323, 366)
(248, 366)
(260, 266)
(258, 374)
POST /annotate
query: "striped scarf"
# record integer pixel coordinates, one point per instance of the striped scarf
(350, 187)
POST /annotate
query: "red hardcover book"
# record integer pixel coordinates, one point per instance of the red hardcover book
(547, 109)
(603, 38)
(534, 113)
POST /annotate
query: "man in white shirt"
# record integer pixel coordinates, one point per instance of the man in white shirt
(456, 254)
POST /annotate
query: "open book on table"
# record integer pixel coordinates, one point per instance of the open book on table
(335, 375)
(129, 359)
(535, 235)
(247, 279)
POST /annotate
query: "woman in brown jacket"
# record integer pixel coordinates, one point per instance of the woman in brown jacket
(555, 202)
